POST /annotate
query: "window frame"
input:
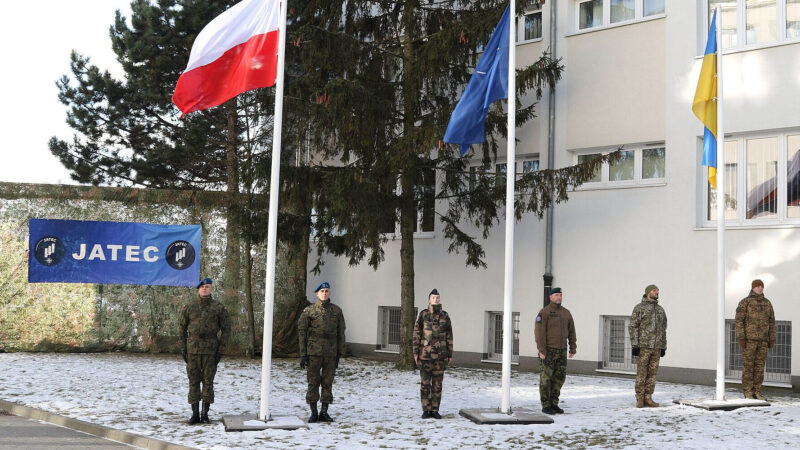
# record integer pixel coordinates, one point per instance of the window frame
(605, 22)
(478, 168)
(497, 357)
(783, 344)
(629, 364)
(741, 28)
(637, 181)
(521, 24)
(417, 234)
(384, 318)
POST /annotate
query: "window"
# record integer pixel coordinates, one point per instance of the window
(767, 184)
(636, 166)
(779, 357)
(652, 7)
(533, 25)
(617, 344)
(527, 163)
(590, 14)
(622, 10)
(494, 341)
(755, 22)
(599, 13)
(425, 194)
(389, 328)
(500, 178)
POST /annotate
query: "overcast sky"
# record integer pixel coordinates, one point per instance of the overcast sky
(35, 41)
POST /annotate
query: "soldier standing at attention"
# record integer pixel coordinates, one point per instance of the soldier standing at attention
(755, 329)
(205, 326)
(321, 330)
(433, 346)
(648, 330)
(554, 327)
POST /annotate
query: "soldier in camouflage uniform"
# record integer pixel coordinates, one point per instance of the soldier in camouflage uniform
(433, 352)
(554, 328)
(648, 331)
(321, 329)
(205, 327)
(755, 329)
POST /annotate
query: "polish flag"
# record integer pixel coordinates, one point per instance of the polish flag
(234, 53)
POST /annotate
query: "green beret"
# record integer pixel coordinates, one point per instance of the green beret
(555, 290)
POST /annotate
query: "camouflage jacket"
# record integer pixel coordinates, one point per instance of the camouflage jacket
(648, 327)
(433, 334)
(321, 330)
(205, 326)
(555, 328)
(755, 319)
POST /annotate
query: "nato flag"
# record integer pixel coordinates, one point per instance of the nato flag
(488, 84)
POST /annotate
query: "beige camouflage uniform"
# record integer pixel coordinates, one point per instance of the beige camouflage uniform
(755, 326)
(648, 331)
(433, 344)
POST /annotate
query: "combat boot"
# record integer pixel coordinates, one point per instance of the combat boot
(640, 401)
(323, 414)
(435, 415)
(648, 401)
(204, 415)
(426, 414)
(314, 418)
(556, 409)
(195, 419)
(757, 395)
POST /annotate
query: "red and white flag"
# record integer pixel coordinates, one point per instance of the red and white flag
(234, 53)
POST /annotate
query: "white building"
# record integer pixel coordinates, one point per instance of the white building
(631, 71)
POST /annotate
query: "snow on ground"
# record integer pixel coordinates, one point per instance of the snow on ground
(378, 407)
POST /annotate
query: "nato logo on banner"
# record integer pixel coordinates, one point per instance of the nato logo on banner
(74, 251)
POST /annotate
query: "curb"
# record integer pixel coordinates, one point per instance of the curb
(89, 428)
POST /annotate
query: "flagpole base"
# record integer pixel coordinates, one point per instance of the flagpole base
(250, 422)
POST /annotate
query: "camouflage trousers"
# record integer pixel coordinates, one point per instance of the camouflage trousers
(754, 358)
(431, 373)
(320, 370)
(554, 372)
(646, 370)
(201, 368)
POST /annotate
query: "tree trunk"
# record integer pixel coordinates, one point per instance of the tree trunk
(231, 283)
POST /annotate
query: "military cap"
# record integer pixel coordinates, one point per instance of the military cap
(649, 288)
(757, 282)
(555, 290)
(204, 281)
(433, 292)
(323, 285)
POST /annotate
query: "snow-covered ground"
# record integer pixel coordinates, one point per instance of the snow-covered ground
(377, 406)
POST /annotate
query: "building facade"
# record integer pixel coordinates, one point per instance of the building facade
(631, 68)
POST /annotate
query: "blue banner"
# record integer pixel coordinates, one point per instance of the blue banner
(74, 251)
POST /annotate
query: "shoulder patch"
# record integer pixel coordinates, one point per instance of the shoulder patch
(539, 318)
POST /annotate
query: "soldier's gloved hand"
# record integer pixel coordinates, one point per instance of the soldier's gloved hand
(217, 357)
(771, 344)
(336, 361)
(742, 343)
(185, 355)
(663, 352)
(303, 362)
(635, 351)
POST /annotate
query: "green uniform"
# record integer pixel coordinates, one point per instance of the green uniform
(321, 333)
(648, 331)
(205, 327)
(554, 330)
(433, 345)
(755, 324)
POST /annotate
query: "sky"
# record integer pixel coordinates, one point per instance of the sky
(36, 39)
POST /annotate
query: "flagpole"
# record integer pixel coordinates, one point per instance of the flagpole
(272, 231)
(720, 395)
(508, 285)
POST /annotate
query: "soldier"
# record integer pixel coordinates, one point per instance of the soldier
(433, 344)
(321, 330)
(755, 329)
(205, 326)
(648, 330)
(554, 327)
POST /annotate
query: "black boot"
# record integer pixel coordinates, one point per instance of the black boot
(323, 414)
(314, 415)
(435, 415)
(204, 415)
(195, 414)
(426, 414)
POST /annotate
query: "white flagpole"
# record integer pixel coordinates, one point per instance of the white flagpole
(508, 285)
(720, 219)
(272, 233)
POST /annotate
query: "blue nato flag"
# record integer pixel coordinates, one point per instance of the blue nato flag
(488, 84)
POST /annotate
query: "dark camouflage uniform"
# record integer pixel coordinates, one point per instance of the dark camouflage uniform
(433, 345)
(554, 329)
(205, 327)
(755, 324)
(648, 331)
(321, 333)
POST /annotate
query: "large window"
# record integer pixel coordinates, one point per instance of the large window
(494, 338)
(755, 22)
(779, 358)
(533, 25)
(599, 13)
(389, 328)
(617, 344)
(636, 166)
(767, 185)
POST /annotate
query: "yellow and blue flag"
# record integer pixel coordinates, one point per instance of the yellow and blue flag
(704, 105)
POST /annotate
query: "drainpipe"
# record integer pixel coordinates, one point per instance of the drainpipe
(551, 137)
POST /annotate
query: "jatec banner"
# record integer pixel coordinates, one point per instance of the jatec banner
(74, 251)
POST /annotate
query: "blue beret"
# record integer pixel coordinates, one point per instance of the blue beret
(555, 290)
(323, 285)
(204, 281)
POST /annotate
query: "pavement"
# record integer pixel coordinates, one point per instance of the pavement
(22, 427)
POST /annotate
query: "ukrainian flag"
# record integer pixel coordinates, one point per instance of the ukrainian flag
(704, 105)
